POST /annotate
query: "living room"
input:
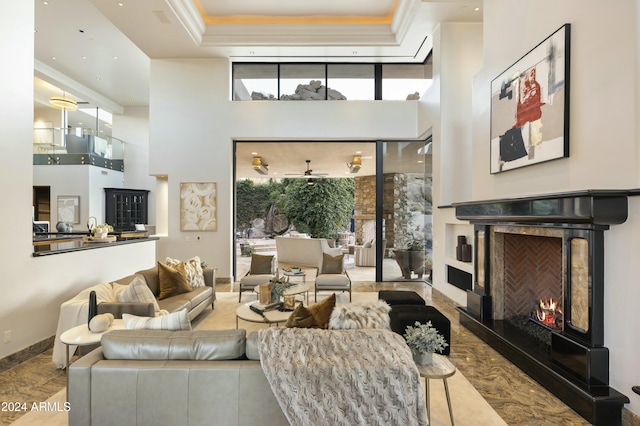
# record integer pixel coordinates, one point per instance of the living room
(467, 56)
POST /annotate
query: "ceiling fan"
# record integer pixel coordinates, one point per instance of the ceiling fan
(308, 173)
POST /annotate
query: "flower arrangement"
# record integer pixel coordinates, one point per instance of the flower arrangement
(424, 338)
(101, 231)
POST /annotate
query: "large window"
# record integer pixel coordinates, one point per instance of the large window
(314, 81)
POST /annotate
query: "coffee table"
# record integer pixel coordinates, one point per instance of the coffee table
(245, 313)
(293, 290)
(441, 368)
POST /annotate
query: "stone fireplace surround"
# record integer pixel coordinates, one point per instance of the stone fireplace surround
(538, 247)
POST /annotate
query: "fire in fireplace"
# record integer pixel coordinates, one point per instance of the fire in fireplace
(548, 312)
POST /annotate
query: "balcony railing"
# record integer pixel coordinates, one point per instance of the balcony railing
(55, 146)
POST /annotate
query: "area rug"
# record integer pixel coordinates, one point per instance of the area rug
(468, 405)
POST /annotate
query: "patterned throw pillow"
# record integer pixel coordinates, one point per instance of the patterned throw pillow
(364, 315)
(174, 321)
(192, 268)
(137, 292)
(172, 281)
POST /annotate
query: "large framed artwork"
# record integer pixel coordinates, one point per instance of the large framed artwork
(198, 206)
(530, 106)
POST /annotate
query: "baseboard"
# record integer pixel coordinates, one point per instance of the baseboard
(25, 354)
(223, 280)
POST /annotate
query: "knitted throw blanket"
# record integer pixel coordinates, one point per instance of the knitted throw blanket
(342, 377)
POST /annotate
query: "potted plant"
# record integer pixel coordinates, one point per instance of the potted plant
(278, 287)
(411, 259)
(424, 340)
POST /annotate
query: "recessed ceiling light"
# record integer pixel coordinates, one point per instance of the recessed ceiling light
(120, 4)
(97, 77)
(45, 3)
(358, 152)
(115, 57)
(477, 9)
(84, 57)
(254, 153)
(54, 58)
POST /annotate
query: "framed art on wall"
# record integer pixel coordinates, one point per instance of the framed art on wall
(530, 106)
(198, 206)
(69, 208)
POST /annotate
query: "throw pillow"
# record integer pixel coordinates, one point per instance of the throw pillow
(137, 292)
(332, 264)
(301, 317)
(364, 315)
(322, 311)
(192, 268)
(173, 281)
(261, 264)
(173, 321)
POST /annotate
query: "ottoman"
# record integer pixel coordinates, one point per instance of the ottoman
(397, 297)
(405, 315)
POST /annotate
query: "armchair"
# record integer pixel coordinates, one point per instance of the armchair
(366, 254)
(332, 275)
(262, 271)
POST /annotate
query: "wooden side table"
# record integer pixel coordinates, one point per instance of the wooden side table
(441, 368)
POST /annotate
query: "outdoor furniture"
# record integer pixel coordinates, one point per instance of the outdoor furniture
(366, 255)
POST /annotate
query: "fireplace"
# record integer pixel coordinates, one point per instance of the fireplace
(538, 291)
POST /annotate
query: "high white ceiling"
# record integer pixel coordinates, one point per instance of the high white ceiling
(99, 51)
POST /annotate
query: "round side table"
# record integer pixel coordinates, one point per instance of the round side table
(441, 368)
(80, 335)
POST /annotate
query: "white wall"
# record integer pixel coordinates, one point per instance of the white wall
(193, 124)
(603, 138)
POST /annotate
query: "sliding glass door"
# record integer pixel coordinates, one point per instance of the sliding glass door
(404, 210)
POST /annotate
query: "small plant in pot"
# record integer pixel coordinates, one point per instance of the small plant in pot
(424, 340)
(101, 231)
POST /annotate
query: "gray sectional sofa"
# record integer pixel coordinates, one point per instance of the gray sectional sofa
(156, 377)
(194, 301)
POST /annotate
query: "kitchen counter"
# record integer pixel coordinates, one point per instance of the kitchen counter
(57, 243)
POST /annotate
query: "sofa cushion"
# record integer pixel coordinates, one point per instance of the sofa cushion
(172, 280)
(332, 264)
(137, 292)
(151, 277)
(173, 321)
(208, 345)
(322, 311)
(261, 264)
(192, 268)
(176, 303)
(301, 317)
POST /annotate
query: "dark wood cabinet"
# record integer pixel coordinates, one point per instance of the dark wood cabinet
(126, 207)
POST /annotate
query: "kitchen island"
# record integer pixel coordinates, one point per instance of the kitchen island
(45, 244)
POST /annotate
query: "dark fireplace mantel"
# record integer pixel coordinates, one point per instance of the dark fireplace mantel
(575, 363)
(595, 207)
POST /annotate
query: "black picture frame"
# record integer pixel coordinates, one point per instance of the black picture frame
(530, 106)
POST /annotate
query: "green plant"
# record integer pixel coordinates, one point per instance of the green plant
(203, 264)
(424, 338)
(104, 226)
(415, 245)
(279, 286)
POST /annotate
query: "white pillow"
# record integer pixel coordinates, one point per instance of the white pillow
(173, 321)
(193, 269)
(137, 292)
